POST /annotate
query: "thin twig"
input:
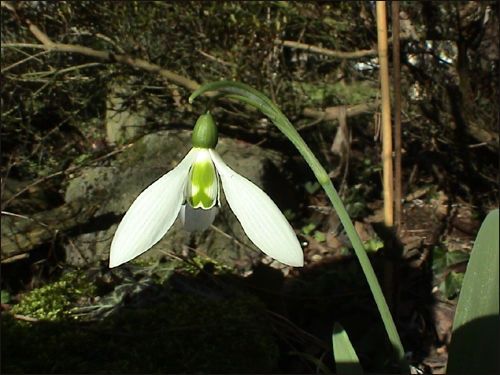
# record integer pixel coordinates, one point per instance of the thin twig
(60, 71)
(208, 56)
(26, 59)
(7, 213)
(217, 229)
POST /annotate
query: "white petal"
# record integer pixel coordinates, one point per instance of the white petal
(151, 215)
(260, 218)
(197, 219)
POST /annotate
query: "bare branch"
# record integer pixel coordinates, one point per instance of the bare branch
(49, 45)
(330, 113)
(326, 51)
(26, 59)
(333, 113)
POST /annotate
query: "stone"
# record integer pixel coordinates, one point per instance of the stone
(123, 123)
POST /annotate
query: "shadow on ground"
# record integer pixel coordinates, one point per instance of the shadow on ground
(205, 322)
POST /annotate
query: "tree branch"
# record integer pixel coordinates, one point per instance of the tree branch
(333, 113)
(49, 45)
(326, 51)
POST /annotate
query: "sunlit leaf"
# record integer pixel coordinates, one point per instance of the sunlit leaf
(474, 343)
(346, 360)
(319, 236)
(373, 245)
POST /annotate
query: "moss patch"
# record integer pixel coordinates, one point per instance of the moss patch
(188, 332)
(55, 301)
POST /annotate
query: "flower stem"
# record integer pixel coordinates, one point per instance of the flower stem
(247, 94)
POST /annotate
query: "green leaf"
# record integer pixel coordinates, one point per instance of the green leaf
(373, 245)
(5, 296)
(451, 285)
(346, 360)
(319, 236)
(443, 258)
(474, 342)
(307, 229)
(311, 187)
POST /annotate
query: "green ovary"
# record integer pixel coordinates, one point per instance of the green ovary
(202, 185)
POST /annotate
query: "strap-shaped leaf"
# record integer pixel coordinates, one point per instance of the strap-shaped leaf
(474, 342)
(346, 360)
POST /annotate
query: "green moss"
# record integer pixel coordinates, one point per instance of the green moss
(200, 262)
(186, 333)
(147, 328)
(56, 300)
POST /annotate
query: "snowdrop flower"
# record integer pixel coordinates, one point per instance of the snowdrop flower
(192, 191)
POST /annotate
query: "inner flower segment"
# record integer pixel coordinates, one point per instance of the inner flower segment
(202, 187)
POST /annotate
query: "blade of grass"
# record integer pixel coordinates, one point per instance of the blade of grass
(258, 100)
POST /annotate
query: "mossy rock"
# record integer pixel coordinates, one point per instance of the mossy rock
(186, 333)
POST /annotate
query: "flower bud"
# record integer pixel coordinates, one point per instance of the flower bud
(205, 132)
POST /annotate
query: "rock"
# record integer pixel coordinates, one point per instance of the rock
(20, 234)
(122, 123)
(117, 185)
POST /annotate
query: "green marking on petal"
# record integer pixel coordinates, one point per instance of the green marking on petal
(202, 188)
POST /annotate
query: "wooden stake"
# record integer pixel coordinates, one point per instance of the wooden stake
(396, 79)
(386, 113)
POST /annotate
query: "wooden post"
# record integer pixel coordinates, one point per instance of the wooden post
(386, 113)
(396, 78)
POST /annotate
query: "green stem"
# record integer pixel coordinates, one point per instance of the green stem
(258, 100)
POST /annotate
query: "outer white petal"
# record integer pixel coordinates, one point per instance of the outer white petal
(151, 215)
(260, 218)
